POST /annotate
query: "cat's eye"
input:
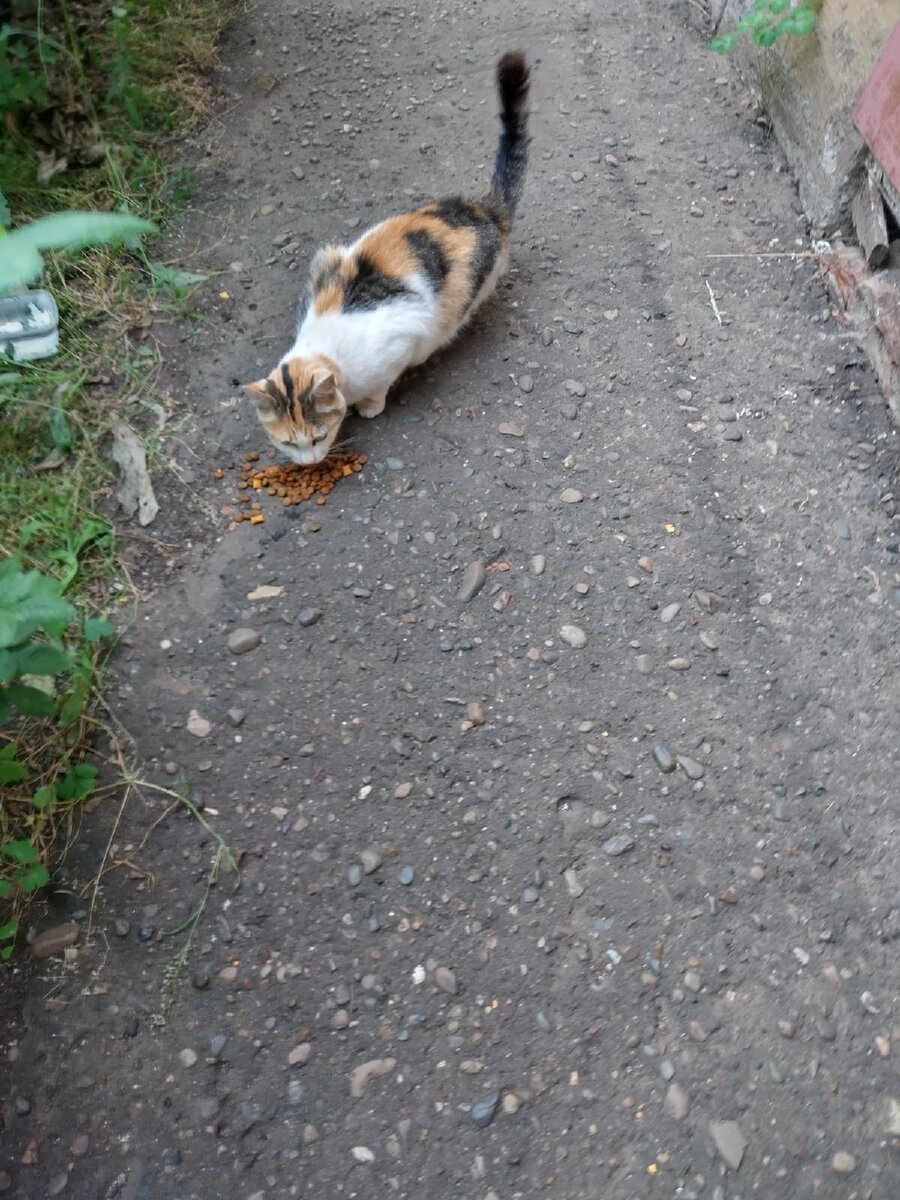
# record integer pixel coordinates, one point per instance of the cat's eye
(289, 442)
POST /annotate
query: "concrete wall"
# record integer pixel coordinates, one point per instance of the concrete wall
(809, 86)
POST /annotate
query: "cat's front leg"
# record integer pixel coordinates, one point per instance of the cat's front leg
(372, 406)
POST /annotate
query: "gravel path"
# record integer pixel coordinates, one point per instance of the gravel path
(562, 768)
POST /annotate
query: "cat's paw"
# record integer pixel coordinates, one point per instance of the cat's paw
(371, 407)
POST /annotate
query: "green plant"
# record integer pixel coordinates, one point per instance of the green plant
(25, 55)
(766, 22)
(20, 249)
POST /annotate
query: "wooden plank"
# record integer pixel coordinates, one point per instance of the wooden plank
(870, 223)
(877, 111)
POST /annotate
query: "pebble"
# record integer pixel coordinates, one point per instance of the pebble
(571, 496)
(405, 876)
(445, 979)
(394, 464)
(57, 1184)
(709, 640)
(122, 927)
(526, 384)
(242, 641)
(371, 861)
(617, 845)
(510, 429)
(547, 336)
(574, 886)
(341, 1019)
(538, 564)
(664, 760)
(677, 1104)
(511, 1103)
(187, 1058)
(54, 940)
(485, 1109)
(729, 1140)
(679, 664)
(575, 387)
(363, 1154)
(574, 327)
(309, 616)
(23, 1106)
(692, 769)
(644, 664)
(574, 636)
(843, 1163)
(473, 580)
(669, 613)
(361, 1075)
(692, 981)
(842, 530)
(530, 895)
(217, 1044)
(299, 1054)
(5, 1181)
(80, 1145)
(208, 1107)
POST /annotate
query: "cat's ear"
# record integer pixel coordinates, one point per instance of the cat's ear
(261, 395)
(324, 393)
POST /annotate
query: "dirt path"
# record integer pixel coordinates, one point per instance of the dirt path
(656, 888)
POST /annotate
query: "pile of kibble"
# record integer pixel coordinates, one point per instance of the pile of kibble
(290, 482)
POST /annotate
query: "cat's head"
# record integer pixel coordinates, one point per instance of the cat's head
(301, 407)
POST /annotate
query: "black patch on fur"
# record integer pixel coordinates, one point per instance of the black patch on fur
(457, 212)
(484, 258)
(325, 274)
(512, 151)
(369, 287)
(460, 213)
(430, 256)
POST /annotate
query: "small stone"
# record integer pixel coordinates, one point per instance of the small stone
(299, 1054)
(217, 1044)
(692, 769)
(547, 337)
(354, 875)
(485, 1109)
(475, 712)
(298, 172)
(664, 760)
(692, 981)
(577, 176)
(787, 1029)
(208, 1108)
(729, 1140)
(530, 895)
(309, 616)
(242, 641)
(571, 496)
(685, 395)
(538, 564)
(617, 845)
(843, 1163)
(394, 464)
(471, 1066)
(644, 664)
(511, 1103)
(361, 1075)
(122, 927)
(574, 327)
(473, 580)
(340, 1019)
(54, 940)
(510, 429)
(574, 636)
(757, 873)
(362, 1154)
(5, 1181)
(228, 975)
(402, 790)
(405, 876)
(677, 1104)
(371, 861)
(23, 1106)
(574, 387)
(57, 1184)
(842, 530)
(709, 640)
(80, 1145)
(669, 613)
(729, 896)
(679, 664)
(526, 384)
(445, 979)
(187, 1058)
(574, 886)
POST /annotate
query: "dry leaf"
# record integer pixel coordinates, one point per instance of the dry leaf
(265, 591)
(135, 493)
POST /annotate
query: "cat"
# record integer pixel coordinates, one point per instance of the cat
(397, 294)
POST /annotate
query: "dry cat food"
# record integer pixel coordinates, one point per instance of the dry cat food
(289, 482)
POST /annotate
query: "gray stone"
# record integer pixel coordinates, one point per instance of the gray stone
(242, 641)
(843, 1163)
(574, 636)
(677, 1103)
(217, 1044)
(405, 876)
(664, 760)
(208, 1108)
(445, 979)
(236, 716)
(575, 387)
(473, 580)
(309, 616)
(669, 613)
(122, 927)
(692, 769)
(617, 845)
(485, 1109)
(729, 1140)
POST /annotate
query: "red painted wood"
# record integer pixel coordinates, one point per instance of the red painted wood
(877, 112)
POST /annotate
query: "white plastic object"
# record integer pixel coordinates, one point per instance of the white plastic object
(29, 325)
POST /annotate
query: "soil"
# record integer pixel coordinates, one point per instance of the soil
(596, 866)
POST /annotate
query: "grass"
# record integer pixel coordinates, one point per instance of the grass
(92, 115)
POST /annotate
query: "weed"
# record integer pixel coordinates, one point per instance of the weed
(766, 22)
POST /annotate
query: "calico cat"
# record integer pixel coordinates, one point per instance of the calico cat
(387, 302)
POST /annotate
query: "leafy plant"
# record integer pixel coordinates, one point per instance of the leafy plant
(20, 249)
(766, 22)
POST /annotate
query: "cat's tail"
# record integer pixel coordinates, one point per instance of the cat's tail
(512, 152)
